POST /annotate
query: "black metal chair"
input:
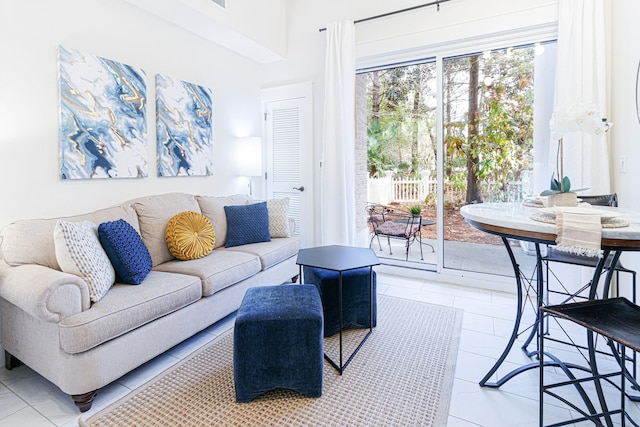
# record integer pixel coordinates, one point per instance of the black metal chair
(555, 256)
(395, 223)
(618, 321)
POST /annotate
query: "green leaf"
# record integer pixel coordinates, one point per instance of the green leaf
(549, 192)
(566, 184)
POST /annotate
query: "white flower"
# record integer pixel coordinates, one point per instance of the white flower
(578, 118)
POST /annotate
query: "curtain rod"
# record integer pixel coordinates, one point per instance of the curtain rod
(395, 12)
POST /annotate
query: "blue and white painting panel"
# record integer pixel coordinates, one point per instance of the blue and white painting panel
(103, 125)
(183, 128)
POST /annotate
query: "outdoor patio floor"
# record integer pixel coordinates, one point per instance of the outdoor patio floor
(475, 257)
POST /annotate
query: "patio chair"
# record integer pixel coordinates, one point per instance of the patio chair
(394, 223)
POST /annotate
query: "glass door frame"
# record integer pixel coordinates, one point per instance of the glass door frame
(488, 42)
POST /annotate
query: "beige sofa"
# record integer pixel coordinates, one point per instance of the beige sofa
(49, 323)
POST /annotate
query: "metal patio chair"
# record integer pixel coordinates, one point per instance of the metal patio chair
(394, 223)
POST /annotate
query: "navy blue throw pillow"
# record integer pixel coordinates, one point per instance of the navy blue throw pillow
(247, 224)
(126, 251)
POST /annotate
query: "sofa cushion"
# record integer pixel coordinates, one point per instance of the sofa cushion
(79, 252)
(213, 208)
(18, 239)
(126, 251)
(270, 253)
(126, 308)
(278, 217)
(247, 224)
(190, 235)
(154, 213)
(218, 270)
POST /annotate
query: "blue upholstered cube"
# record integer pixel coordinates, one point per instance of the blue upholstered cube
(278, 341)
(355, 297)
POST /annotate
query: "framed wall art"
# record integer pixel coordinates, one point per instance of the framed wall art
(103, 124)
(183, 128)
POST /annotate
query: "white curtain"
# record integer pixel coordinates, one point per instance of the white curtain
(581, 78)
(338, 215)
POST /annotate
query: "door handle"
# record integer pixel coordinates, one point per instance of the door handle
(301, 188)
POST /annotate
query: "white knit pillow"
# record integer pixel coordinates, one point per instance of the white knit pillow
(278, 217)
(79, 252)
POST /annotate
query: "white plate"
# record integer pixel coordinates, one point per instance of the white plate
(581, 211)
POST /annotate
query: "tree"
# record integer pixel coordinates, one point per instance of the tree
(473, 123)
(488, 120)
(495, 141)
(401, 127)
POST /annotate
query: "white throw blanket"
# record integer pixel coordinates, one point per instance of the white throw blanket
(579, 234)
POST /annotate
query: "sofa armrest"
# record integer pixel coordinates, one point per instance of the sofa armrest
(43, 292)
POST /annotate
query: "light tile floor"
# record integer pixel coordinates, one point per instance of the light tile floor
(28, 400)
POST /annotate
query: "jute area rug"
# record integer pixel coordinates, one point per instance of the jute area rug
(402, 376)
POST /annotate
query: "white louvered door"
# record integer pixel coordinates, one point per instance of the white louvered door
(288, 160)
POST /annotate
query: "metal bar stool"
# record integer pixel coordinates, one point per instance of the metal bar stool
(554, 256)
(617, 320)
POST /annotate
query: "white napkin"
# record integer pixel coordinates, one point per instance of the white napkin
(579, 233)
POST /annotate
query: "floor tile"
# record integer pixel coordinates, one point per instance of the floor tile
(495, 407)
(10, 403)
(26, 417)
(478, 323)
(419, 295)
(190, 345)
(148, 371)
(34, 390)
(457, 422)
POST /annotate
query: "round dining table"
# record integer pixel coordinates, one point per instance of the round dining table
(513, 220)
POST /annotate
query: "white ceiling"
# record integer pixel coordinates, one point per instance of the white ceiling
(209, 21)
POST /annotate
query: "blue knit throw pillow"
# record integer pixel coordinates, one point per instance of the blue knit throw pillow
(126, 251)
(247, 224)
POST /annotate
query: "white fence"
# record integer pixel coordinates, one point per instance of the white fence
(386, 190)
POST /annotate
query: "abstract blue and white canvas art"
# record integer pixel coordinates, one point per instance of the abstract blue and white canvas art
(183, 128)
(103, 119)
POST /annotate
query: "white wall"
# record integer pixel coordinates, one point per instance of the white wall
(625, 134)
(30, 32)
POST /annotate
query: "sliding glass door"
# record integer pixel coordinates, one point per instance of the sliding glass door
(489, 100)
(495, 107)
(401, 151)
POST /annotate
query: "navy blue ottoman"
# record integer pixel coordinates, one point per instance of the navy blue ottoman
(278, 341)
(355, 297)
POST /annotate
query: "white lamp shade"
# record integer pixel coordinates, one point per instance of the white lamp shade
(249, 156)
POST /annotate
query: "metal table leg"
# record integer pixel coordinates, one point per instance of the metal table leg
(342, 366)
(516, 327)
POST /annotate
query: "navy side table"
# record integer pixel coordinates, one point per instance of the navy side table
(341, 258)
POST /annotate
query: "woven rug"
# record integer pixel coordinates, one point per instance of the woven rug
(402, 375)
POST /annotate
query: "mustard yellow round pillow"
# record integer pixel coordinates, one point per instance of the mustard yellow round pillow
(190, 235)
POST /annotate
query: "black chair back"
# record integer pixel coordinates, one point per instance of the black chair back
(602, 200)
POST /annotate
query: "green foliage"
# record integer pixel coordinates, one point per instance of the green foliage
(401, 126)
(415, 209)
(495, 146)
